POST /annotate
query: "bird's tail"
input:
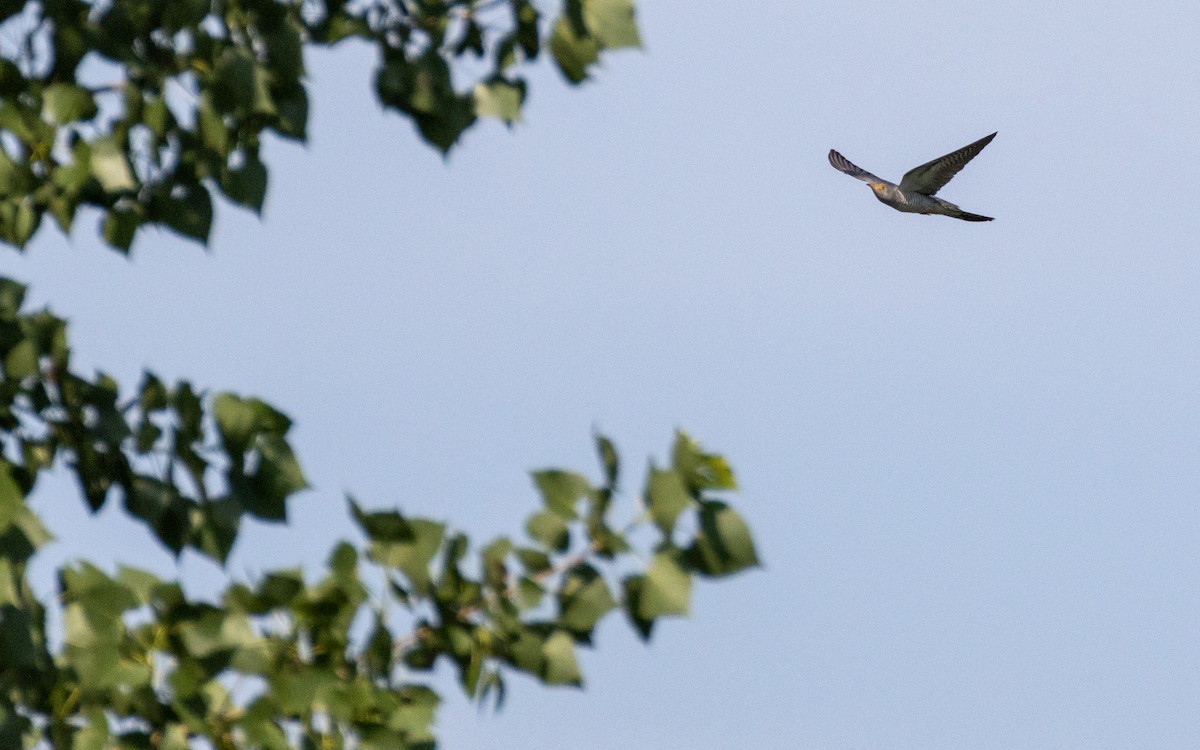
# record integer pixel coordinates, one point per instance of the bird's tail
(960, 214)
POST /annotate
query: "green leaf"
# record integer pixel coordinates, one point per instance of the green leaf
(561, 668)
(163, 509)
(549, 529)
(210, 124)
(9, 592)
(378, 651)
(14, 180)
(65, 102)
(94, 736)
(723, 545)
(285, 51)
(22, 360)
(700, 470)
(216, 631)
(666, 498)
(500, 99)
(281, 587)
(472, 39)
(240, 420)
(11, 80)
(24, 536)
(152, 396)
(609, 459)
(264, 104)
(573, 53)
(411, 556)
(343, 26)
(19, 219)
(415, 711)
(12, 295)
(382, 526)
(583, 599)
(188, 210)
(277, 477)
(141, 582)
(495, 572)
(110, 166)
(422, 89)
(291, 106)
(533, 560)
(633, 588)
(612, 23)
(103, 599)
(120, 226)
(561, 490)
(16, 641)
(246, 185)
(215, 529)
(183, 14)
(667, 589)
(526, 19)
(529, 593)
(343, 564)
(72, 177)
(156, 116)
(233, 84)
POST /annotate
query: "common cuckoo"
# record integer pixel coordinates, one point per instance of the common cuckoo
(917, 191)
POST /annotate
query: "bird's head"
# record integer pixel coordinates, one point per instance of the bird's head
(877, 186)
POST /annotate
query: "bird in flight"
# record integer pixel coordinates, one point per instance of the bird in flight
(917, 191)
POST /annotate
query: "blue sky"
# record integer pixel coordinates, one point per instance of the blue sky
(968, 451)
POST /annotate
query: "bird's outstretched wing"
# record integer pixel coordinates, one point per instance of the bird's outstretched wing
(842, 164)
(932, 177)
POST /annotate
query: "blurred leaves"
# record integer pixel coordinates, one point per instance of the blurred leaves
(334, 654)
(187, 466)
(197, 86)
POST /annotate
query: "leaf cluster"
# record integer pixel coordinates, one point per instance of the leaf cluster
(284, 661)
(188, 469)
(196, 84)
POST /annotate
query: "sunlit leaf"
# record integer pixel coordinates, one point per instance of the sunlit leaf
(110, 166)
(67, 102)
(666, 498)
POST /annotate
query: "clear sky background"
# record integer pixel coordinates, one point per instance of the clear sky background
(970, 452)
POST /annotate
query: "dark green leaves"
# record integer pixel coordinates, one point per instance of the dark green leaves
(190, 467)
(234, 81)
(583, 599)
(142, 448)
(574, 52)
(241, 70)
(723, 545)
(187, 209)
(422, 89)
(246, 184)
(119, 228)
(241, 421)
(251, 429)
(408, 546)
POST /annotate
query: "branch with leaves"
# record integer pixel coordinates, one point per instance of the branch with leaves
(282, 662)
(198, 83)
